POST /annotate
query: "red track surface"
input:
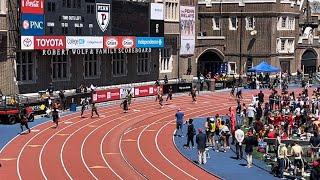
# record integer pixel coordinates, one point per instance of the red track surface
(134, 145)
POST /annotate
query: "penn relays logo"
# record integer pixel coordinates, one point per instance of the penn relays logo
(103, 15)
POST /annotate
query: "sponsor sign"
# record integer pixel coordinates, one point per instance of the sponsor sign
(141, 91)
(111, 42)
(103, 15)
(127, 42)
(150, 42)
(49, 42)
(157, 28)
(176, 88)
(106, 95)
(187, 30)
(125, 91)
(32, 6)
(32, 25)
(49, 52)
(157, 11)
(84, 42)
(27, 42)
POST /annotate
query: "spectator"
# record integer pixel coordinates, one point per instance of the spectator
(179, 122)
(315, 145)
(261, 97)
(62, 99)
(225, 134)
(250, 142)
(296, 152)
(165, 79)
(201, 145)
(190, 134)
(50, 89)
(251, 111)
(258, 125)
(315, 172)
(282, 155)
(239, 135)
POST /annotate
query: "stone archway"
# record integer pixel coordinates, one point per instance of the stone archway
(210, 60)
(309, 61)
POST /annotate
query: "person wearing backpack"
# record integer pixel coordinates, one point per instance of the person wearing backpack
(190, 134)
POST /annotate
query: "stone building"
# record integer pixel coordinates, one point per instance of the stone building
(24, 71)
(242, 33)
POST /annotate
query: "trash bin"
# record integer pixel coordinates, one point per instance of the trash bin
(73, 107)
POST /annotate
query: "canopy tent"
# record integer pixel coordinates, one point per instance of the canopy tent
(264, 67)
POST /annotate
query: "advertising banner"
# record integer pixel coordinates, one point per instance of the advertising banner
(27, 42)
(150, 42)
(157, 11)
(106, 95)
(32, 25)
(127, 41)
(125, 91)
(84, 42)
(32, 6)
(141, 91)
(187, 30)
(111, 42)
(49, 42)
(176, 88)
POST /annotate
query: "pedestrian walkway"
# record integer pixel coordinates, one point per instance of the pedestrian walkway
(223, 164)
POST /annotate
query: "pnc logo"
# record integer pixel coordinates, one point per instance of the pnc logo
(26, 24)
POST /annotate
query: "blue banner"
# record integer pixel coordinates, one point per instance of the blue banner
(32, 25)
(150, 42)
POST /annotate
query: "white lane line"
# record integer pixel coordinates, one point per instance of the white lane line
(157, 145)
(98, 127)
(25, 145)
(145, 129)
(41, 152)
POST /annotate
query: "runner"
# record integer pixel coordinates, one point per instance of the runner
(84, 104)
(94, 109)
(161, 101)
(169, 93)
(124, 105)
(55, 116)
(193, 95)
(129, 97)
(24, 120)
(239, 94)
(232, 91)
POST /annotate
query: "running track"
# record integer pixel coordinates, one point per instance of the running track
(134, 145)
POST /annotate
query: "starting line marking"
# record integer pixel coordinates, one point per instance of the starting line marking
(68, 122)
(136, 110)
(98, 167)
(151, 130)
(63, 134)
(8, 159)
(129, 140)
(35, 145)
(110, 153)
(35, 130)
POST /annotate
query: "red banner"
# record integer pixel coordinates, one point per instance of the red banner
(106, 95)
(142, 91)
(49, 42)
(111, 42)
(32, 6)
(127, 42)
